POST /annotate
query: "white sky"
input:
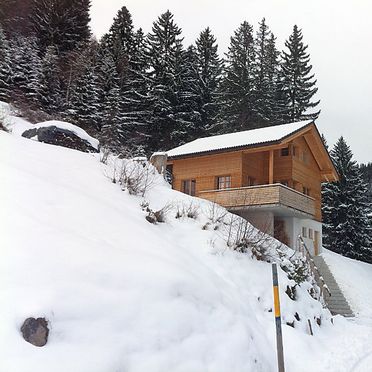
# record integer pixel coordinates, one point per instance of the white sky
(338, 33)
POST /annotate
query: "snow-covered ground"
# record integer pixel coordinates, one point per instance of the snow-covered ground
(122, 294)
(355, 280)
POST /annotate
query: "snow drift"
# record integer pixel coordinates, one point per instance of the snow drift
(122, 294)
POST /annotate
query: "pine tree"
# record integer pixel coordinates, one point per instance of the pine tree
(238, 99)
(5, 70)
(64, 24)
(120, 41)
(112, 135)
(297, 82)
(266, 75)
(50, 86)
(84, 101)
(164, 50)
(346, 227)
(26, 71)
(209, 68)
(135, 100)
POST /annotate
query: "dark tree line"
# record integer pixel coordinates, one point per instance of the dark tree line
(141, 93)
(347, 209)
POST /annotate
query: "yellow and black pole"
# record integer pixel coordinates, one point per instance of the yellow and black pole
(278, 322)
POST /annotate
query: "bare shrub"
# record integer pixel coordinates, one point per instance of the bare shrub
(189, 210)
(104, 155)
(3, 116)
(215, 213)
(156, 216)
(242, 237)
(137, 176)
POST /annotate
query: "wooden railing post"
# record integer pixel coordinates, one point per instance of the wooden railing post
(271, 166)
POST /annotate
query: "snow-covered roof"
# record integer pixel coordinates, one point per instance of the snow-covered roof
(238, 139)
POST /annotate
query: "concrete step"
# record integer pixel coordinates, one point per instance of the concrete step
(336, 302)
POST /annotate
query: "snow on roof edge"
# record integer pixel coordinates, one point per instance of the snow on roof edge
(242, 139)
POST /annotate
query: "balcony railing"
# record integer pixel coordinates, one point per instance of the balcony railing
(262, 195)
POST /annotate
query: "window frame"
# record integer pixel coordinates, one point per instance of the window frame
(223, 182)
(188, 186)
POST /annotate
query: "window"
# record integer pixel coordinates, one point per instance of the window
(284, 152)
(304, 232)
(311, 234)
(250, 181)
(223, 182)
(306, 191)
(188, 187)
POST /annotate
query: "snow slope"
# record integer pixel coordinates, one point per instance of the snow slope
(122, 294)
(355, 280)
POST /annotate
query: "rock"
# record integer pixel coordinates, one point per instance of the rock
(60, 137)
(35, 331)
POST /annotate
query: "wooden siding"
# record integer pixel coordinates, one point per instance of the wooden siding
(295, 170)
(306, 173)
(275, 195)
(206, 169)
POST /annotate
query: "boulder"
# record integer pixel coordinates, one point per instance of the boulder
(35, 331)
(60, 137)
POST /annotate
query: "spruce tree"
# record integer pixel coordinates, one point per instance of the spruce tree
(266, 75)
(120, 41)
(50, 86)
(209, 68)
(135, 99)
(5, 70)
(238, 99)
(26, 71)
(64, 24)
(346, 228)
(297, 83)
(84, 101)
(164, 51)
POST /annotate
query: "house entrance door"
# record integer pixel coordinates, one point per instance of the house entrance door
(279, 231)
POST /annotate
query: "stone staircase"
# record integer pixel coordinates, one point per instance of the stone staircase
(336, 302)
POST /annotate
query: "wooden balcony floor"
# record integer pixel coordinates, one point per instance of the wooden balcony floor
(273, 195)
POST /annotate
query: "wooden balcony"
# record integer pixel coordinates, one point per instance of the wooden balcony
(273, 195)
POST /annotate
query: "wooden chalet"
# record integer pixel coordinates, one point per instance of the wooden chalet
(271, 176)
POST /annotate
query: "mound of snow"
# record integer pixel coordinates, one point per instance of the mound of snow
(122, 294)
(17, 125)
(81, 133)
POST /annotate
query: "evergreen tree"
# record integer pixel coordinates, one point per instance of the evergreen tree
(297, 82)
(346, 228)
(26, 71)
(120, 41)
(50, 87)
(164, 51)
(238, 99)
(209, 68)
(64, 24)
(135, 100)
(266, 75)
(84, 101)
(5, 70)
(113, 134)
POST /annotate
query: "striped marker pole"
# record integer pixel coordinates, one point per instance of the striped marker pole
(278, 323)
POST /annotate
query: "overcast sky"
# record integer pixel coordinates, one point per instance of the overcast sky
(338, 33)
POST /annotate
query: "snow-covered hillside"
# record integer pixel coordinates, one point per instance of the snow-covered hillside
(122, 294)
